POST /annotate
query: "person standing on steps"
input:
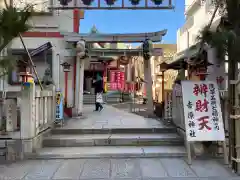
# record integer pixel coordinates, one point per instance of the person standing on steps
(98, 86)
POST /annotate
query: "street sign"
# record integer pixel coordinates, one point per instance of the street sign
(41, 49)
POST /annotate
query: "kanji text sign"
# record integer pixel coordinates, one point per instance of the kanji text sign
(202, 111)
(117, 80)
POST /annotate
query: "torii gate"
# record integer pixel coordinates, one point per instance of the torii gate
(135, 37)
(107, 38)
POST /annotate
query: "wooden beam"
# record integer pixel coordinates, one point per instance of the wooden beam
(114, 52)
(125, 38)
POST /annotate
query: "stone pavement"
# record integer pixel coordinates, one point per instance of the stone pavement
(116, 169)
(110, 118)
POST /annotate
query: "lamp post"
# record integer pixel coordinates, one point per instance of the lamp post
(66, 68)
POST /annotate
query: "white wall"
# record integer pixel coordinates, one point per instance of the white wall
(201, 15)
(62, 22)
(182, 41)
(60, 19)
(188, 4)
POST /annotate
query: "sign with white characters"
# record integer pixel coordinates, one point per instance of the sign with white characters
(202, 111)
(41, 49)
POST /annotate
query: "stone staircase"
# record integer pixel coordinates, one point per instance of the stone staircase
(115, 143)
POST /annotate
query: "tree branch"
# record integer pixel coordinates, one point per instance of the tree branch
(208, 27)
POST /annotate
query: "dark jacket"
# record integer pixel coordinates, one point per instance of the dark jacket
(98, 86)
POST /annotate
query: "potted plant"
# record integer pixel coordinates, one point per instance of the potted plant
(87, 2)
(134, 2)
(157, 2)
(110, 2)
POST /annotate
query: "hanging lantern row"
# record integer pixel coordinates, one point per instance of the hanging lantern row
(111, 2)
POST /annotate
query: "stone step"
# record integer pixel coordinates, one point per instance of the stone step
(109, 98)
(112, 140)
(3, 151)
(109, 152)
(135, 130)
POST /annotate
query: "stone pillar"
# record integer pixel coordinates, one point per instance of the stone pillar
(28, 112)
(28, 116)
(81, 80)
(148, 85)
(77, 86)
(11, 114)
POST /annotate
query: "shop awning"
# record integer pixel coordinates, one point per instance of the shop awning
(181, 59)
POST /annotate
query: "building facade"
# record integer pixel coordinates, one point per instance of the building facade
(47, 26)
(198, 14)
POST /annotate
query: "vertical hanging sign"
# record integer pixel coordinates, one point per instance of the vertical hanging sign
(117, 80)
(122, 80)
(59, 105)
(113, 85)
(168, 105)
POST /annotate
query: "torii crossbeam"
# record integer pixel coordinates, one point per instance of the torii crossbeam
(113, 5)
(116, 52)
(115, 38)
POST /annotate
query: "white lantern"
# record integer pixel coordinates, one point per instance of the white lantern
(80, 48)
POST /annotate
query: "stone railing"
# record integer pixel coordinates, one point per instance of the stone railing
(25, 119)
(37, 112)
(44, 109)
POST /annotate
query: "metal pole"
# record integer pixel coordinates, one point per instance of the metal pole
(32, 64)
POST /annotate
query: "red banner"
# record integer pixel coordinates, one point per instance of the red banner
(129, 87)
(117, 80)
